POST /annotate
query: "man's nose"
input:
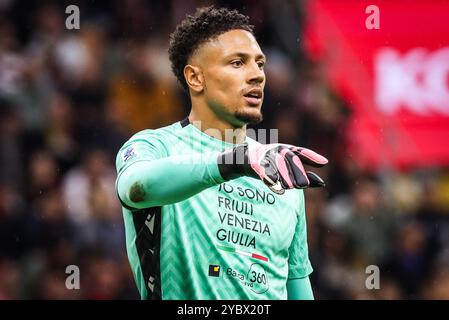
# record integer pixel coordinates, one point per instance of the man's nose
(256, 75)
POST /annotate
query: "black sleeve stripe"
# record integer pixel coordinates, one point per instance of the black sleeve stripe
(148, 245)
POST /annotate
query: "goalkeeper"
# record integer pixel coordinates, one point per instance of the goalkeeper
(210, 215)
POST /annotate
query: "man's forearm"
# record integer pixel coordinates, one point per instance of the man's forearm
(299, 289)
(149, 183)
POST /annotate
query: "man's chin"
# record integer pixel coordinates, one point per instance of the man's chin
(249, 117)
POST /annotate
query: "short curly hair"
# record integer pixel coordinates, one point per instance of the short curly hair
(207, 23)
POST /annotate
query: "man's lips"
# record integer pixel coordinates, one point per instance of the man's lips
(254, 96)
(253, 101)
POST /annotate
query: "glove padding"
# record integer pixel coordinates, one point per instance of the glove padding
(279, 166)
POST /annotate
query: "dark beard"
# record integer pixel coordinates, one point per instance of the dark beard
(249, 118)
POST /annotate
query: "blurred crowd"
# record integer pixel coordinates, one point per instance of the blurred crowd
(70, 98)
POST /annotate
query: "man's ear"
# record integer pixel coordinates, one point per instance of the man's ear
(194, 78)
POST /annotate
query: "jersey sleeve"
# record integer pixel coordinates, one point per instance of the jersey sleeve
(299, 265)
(143, 146)
(299, 289)
(149, 176)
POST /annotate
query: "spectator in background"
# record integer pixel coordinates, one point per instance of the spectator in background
(43, 175)
(410, 262)
(14, 241)
(89, 191)
(104, 279)
(11, 161)
(363, 217)
(9, 279)
(138, 99)
(59, 133)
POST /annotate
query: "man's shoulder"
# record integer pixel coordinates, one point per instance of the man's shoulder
(153, 143)
(158, 133)
(162, 136)
(156, 138)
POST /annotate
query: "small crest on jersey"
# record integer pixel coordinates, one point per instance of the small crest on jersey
(129, 153)
(214, 270)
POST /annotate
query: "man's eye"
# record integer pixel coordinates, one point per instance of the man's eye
(237, 63)
(261, 64)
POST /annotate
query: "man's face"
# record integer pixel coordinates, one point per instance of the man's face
(232, 66)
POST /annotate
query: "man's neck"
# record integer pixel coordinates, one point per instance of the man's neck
(217, 128)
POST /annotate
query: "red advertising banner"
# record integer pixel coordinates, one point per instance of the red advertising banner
(396, 77)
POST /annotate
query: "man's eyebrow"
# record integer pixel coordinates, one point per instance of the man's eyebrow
(246, 55)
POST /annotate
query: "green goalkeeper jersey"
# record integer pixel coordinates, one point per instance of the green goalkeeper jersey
(192, 235)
